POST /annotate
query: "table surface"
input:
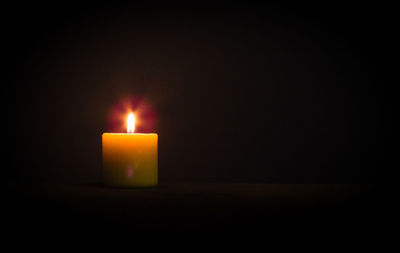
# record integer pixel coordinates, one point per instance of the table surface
(230, 209)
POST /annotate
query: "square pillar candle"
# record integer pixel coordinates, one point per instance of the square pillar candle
(130, 159)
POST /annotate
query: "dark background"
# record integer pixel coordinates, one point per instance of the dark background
(243, 93)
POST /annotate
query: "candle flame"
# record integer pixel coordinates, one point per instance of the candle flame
(131, 123)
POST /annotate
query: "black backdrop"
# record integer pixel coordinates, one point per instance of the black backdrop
(244, 93)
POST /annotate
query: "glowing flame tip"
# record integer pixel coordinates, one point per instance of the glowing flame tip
(130, 123)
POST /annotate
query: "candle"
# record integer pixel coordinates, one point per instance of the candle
(130, 159)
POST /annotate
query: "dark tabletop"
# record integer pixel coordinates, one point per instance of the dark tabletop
(188, 212)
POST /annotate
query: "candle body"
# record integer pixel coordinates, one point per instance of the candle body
(130, 160)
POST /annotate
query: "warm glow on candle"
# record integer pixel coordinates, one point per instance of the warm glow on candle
(131, 123)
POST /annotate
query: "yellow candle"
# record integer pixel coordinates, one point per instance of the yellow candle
(130, 159)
